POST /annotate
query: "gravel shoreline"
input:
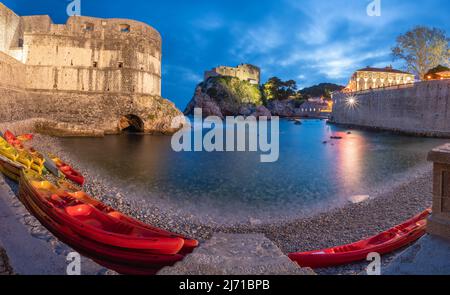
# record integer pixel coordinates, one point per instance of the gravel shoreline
(335, 227)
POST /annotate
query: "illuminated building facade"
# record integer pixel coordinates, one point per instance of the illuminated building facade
(371, 78)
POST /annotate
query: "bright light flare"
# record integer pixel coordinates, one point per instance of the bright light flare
(351, 102)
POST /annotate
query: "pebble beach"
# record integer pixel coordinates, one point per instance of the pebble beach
(342, 225)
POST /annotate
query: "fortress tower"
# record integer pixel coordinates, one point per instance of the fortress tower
(113, 64)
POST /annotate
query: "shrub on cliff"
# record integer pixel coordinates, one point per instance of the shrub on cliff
(242, 92)
(225, 96)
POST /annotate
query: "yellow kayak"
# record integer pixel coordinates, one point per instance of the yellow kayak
(31, 159)
(25, 158)
(10, 168)
(7, 150)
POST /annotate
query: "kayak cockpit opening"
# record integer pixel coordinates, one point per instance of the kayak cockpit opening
(131, 124)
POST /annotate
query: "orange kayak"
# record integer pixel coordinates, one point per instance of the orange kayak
(90, 223)
(124, 261)
(386, 242)
(73, 191)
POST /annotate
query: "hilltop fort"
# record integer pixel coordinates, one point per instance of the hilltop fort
(90, 76)
(244, 72)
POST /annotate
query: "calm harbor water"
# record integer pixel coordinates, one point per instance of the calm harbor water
(308, 176)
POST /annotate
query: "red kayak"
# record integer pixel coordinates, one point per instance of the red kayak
(25, 137)
(12, 140)
(93, 224)
(68, 171)
(189, 244)
(123, 261)
(386, 242)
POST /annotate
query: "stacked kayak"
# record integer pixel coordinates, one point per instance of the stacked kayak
(10, 168)
(189, 244)
(28, 157)
(110, 238)
(25, 137)
(68, 171)
(386, 242)
(9, 164)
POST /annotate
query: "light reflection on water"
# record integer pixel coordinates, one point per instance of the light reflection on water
(236, 185)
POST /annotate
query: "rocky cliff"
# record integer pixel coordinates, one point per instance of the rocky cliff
(285, 108)
(227, 96)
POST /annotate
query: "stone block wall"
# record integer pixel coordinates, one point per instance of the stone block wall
(421, 108)
(84, 77)
(91, 54)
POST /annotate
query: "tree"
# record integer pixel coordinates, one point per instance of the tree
(276, 89)
(422, 49)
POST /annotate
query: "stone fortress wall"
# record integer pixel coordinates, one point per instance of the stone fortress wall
(90, 54)
(244, 72)
(84, 77)
(422, 108)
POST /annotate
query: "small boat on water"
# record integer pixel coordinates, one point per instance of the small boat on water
(68, 171)
(386, 242)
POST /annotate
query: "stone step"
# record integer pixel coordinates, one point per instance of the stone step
(237, 254)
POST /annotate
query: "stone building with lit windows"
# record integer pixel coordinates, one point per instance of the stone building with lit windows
(371, 78)
(244, 72)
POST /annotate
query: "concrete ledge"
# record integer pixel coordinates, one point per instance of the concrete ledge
(237, 254)
(429, 256)
(418, 133)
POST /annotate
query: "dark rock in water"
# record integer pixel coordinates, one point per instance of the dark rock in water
(336, 137)
(285, 108)
(325, 142)
(349, 132)
(298, 123)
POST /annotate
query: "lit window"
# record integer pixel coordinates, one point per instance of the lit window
(125, 28)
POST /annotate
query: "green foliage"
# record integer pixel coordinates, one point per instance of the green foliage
(242, 91)
(276, 89)
(439, 68)
(320, 90)
(422, 49)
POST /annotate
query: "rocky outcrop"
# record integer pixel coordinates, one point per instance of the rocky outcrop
(86, 114)
(227, 96)
(285, 108)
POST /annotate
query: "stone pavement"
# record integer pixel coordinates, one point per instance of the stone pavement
(429, 256)
(36, 253)
(237, 254)
(5, 268)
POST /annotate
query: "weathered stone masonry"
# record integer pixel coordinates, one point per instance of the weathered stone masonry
(421, 109)
(84, 77)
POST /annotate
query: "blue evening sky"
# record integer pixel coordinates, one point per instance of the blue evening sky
(310, 41)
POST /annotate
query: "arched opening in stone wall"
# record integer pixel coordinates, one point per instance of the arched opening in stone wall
(131, 123)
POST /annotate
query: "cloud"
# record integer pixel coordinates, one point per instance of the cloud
(210, 22)
(181, 74)
(259, 39)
